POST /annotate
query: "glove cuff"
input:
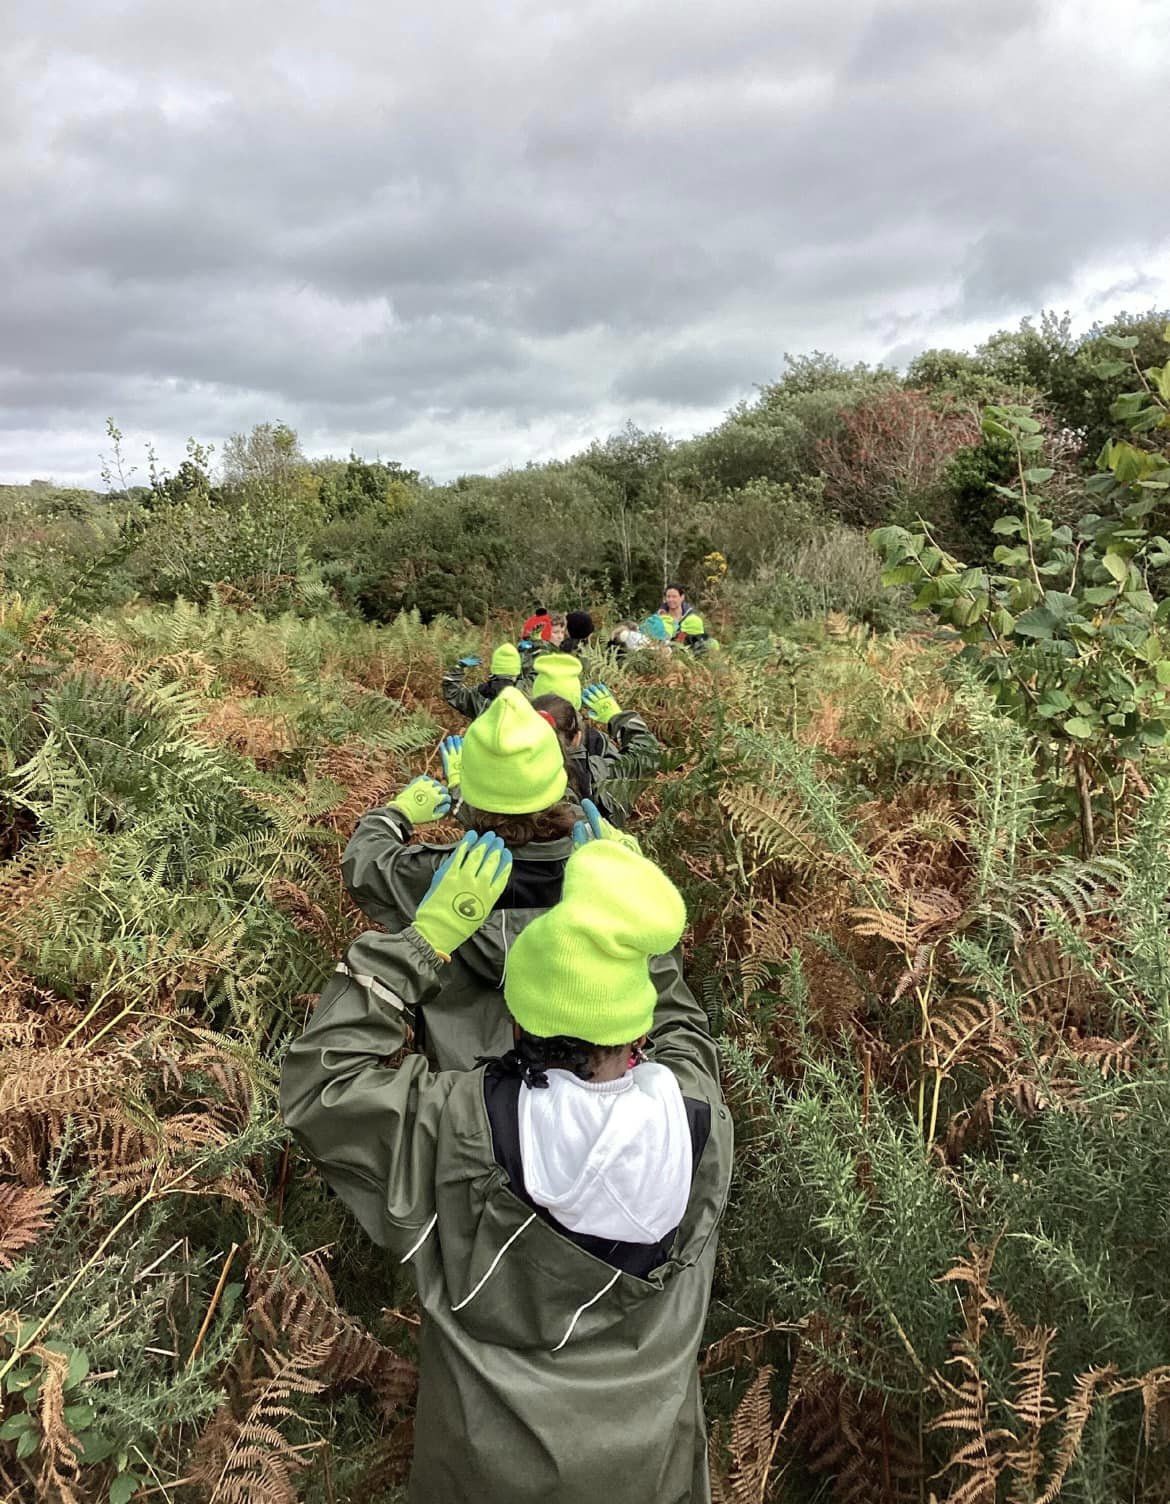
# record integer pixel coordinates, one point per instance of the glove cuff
(416, 935)
(402, 810)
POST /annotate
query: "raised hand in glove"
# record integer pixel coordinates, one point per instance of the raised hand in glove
(469, 661)
(422, 800)
(595, 828)
(463, 892)
(451, 751)
(591, 828)
(600, 703)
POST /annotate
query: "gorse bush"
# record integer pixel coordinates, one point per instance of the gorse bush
(950, 1089)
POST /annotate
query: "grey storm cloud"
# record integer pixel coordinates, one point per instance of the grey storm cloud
(478, 233)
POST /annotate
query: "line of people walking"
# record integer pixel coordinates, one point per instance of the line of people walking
(552, 1155)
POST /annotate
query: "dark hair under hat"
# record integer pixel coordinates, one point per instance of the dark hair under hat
(579, 624)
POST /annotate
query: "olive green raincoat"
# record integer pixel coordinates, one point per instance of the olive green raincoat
(387, 873)
(547, 1376)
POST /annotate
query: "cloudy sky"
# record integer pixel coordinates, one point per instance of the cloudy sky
(477, 232)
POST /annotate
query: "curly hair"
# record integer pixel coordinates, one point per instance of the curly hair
(553, 824)
(532, 1057)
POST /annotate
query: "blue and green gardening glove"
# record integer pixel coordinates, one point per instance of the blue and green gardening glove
(598, 700)
(463, 892)
(451, 751)
(594, 827)
(422, 800)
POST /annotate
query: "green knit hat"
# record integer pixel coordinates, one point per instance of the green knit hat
(558, 674)
(506, 661)
(512, 760)
(581, 968)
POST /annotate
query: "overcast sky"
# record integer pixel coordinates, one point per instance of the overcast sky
(472, 233)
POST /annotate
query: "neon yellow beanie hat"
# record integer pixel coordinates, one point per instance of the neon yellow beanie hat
(581, 968)
(558, 674)
(512, 760)
(506, 661)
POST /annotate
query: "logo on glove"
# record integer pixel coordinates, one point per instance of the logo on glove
(469, 906)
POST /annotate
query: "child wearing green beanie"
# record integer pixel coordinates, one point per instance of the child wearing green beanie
(472, 700)
(558, 674)
(559, 1205)
(509, 771)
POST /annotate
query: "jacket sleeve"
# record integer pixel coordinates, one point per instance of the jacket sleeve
(639, 750)
(371, 1128)
(383, 872)
(680, 1036)
(529, 663)
(460, 696)
(633, 752)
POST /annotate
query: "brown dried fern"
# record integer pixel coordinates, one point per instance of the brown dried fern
(982, 1452)
(777, 827)
(744, 1344)
(249, 1460)
(1075, 1418)
(847, 1435)
(921, 915)
(292, 1299)
(751, 1445)
(1033, 1405)
(24, 1215)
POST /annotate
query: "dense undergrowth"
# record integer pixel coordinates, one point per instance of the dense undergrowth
(945, 1032)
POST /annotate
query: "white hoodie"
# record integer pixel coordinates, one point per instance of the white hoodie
(611, 1159)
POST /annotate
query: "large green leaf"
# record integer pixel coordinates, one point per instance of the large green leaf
(123, 1488)
(1061, 604)
(1039, 622)
(1011, 558)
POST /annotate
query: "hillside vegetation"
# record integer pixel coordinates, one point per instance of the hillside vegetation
(925, 860)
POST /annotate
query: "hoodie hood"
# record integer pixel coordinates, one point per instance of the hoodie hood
(612, 1159)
